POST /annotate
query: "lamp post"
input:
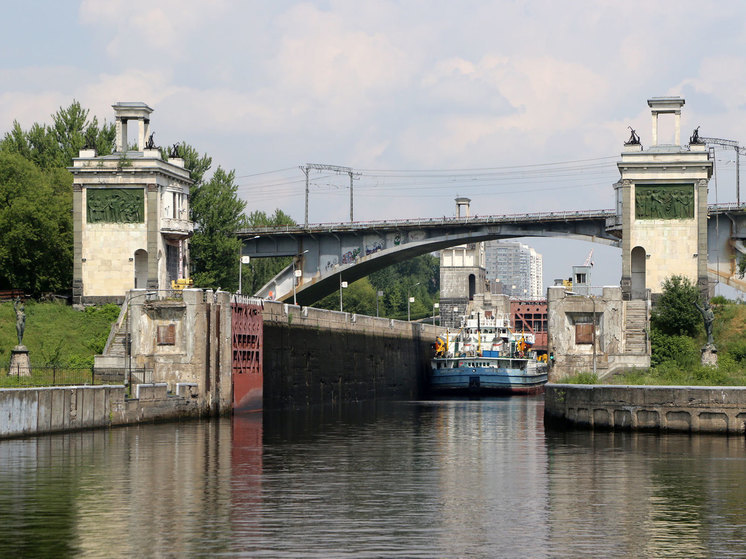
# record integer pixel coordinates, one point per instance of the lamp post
(342, 285)
(128, 334)
(241, 261)
(244, 260)
(378, 295)
(410, 299)
(297, 274)
(435, 306)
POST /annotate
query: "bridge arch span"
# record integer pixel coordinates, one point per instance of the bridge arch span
(329, 257)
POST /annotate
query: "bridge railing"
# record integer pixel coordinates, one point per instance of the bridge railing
(561, 215)
(724, 207)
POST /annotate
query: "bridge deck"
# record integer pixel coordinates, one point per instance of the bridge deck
(419, 223)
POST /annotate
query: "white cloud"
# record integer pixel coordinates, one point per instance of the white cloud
(146, 29)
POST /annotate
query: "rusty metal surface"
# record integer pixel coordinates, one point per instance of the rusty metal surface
(530, 315)
(247, 327)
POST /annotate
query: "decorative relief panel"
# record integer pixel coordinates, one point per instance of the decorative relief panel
(115, 205)
(662, 201)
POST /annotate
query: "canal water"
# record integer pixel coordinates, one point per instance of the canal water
(448, 478)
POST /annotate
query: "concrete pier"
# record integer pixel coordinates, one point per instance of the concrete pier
(36, 411)
(692, 409)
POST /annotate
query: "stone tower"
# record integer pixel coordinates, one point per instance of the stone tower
(130, 214)
(462, 275)
(662, 206)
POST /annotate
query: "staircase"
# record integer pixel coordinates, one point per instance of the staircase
(117, 346)
(635, 327)
(110, 365)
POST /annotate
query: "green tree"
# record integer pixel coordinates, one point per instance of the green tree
(36, 233)
(196, 164)
(261, 270)
(217, 213)
(56, 145)
(674, 313)
(359, 297)
(418, 277)
(36, 189)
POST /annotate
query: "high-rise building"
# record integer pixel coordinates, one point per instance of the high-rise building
(514, 269)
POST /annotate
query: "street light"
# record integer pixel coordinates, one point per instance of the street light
(378, 294)
(297, 274)
(435, 306)
(410, 299)
(342, 285)
(128, 333)
(244, 260)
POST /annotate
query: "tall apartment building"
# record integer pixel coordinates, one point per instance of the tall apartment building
(518, 268)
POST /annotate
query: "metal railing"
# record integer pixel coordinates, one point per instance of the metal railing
(47, 375)
(138, 376)
(59, 375)
(560, 215)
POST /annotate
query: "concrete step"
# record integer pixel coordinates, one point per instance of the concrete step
(640, 338)
(635, 312)
(117, 347)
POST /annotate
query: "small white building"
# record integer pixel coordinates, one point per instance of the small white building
(130, 214)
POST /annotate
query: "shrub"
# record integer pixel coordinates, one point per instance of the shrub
(681, 351)
(737, 350)
(582, 378)
(674, 312)
(108, 312)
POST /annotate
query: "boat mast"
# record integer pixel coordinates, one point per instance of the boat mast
(479, 336)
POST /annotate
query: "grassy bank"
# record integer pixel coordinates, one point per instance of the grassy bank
(56, 335)
(676, 359)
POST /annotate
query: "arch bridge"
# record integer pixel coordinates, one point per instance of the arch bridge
(326, 254)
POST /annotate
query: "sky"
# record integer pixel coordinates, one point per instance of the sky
(521, 106)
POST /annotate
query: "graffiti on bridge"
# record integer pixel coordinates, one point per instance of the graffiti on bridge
(351, 255)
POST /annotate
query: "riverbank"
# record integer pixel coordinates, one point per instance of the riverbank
(693, 409)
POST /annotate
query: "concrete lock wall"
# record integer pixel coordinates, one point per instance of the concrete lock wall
(313, 356)
(596, 334)
(186, 340)
(33, 411)
(657, 408)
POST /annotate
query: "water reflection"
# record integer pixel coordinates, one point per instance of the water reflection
(451, 478)
(655, 496)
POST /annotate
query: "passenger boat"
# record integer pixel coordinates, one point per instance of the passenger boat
(485, 356)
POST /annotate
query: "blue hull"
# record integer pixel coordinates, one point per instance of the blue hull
(489, 379)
